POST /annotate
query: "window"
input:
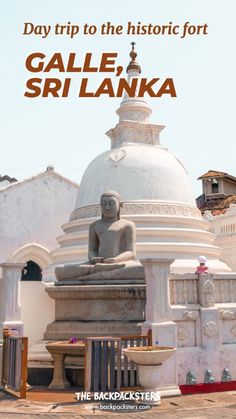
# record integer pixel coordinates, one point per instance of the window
(31, 272)
(215, 186)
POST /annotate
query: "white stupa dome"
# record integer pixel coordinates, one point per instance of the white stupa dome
(156, 193)
(138, 172)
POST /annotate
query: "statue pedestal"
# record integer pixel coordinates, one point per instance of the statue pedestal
(96, 310)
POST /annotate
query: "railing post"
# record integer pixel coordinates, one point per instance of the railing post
(24, 353)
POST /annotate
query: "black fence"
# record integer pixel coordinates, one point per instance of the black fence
(106, 368)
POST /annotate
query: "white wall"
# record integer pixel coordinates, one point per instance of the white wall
(31, 215)
(224, 227)
(33, 211)
(37, 309)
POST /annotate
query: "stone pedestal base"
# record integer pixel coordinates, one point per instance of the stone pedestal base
(96, 310)
(169, 391)
(59, 381)
(64, 330)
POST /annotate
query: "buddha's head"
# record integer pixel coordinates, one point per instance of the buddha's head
(110, 205)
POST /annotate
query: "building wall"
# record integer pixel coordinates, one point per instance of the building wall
(207, 186)
(229, 188)
(31, 215)
(224, 227)
(225, 186)
(33, 212)
(37, 310)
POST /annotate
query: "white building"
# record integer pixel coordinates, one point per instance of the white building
(31, 214)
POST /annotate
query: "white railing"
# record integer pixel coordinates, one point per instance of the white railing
(184, 289)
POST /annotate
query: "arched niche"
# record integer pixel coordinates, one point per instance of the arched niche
(33, 298)
(32, 252)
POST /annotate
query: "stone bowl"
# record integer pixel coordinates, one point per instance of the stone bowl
(149, 355)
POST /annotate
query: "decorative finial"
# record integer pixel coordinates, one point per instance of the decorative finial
(133, 54)
(133, 65)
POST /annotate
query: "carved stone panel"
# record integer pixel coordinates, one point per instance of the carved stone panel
(229, 331)
(227, 314)
(139, 208)
(211, 329)
(186, 333)
(191, 315)
(182, 333)
(206, 290)
(233, 330)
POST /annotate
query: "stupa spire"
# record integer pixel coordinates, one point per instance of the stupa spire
(133, 108)
(133, 65)
(134, 126)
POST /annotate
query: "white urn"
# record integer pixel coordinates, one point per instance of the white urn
(149, 360)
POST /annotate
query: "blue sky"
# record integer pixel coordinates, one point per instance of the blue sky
(70, 132)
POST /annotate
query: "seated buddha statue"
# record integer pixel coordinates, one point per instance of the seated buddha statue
(111, 250)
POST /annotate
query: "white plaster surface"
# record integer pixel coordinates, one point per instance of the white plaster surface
(165, 333)
(224, 227)
(146, 172)
(38, 310)
(32, 212)
(202, 329)
(157, 273)
(10, 303)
